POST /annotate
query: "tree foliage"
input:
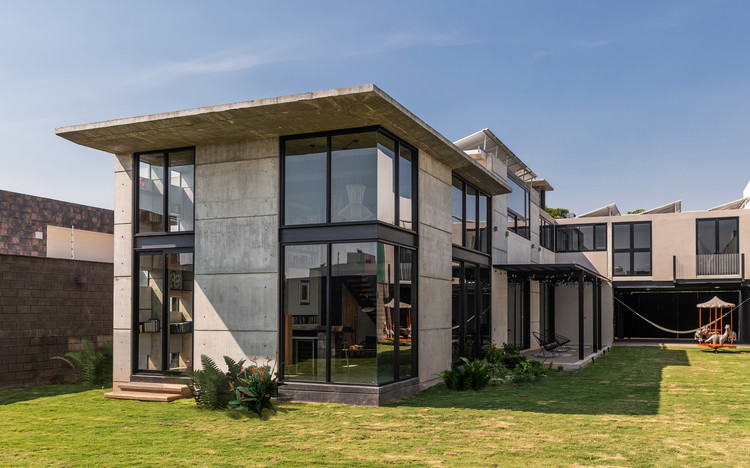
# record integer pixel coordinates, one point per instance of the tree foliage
(557, 213)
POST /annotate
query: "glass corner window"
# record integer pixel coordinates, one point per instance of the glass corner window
(470, 216)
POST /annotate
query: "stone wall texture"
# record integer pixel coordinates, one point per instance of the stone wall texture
(46, 307)
(22, 216)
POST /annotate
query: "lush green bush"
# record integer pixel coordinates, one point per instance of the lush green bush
(497, 371)
(528, 371)
(255, 387)
(211, 386)
(90, 365)
(509, 356)
(469, 375)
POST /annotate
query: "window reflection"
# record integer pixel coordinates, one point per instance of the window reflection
(305, 180)
(181, 194)
(406, 205)
(355, 167)
(151, 193)
(150, 303)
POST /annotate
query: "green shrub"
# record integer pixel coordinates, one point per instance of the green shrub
(469, 375)
(509, 356)
(497, 371)
(528, 371)
(212, 387)
(90, 365)
(255, 387)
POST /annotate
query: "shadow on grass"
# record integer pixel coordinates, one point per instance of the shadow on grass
(32, 392)
(624, 381)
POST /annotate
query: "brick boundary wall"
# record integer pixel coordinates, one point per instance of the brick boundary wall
(47, 306)
(22, 216)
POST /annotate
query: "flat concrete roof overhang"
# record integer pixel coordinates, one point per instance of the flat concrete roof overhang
(359, 106)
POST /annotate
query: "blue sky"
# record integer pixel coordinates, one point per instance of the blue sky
(639, 103)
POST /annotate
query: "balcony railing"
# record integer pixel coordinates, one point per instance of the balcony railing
(707, 266)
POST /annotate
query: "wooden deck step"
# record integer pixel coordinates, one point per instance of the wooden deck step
(146, 391)
(143, 396)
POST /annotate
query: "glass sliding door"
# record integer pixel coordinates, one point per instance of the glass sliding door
(305, 317)
(180, 311)
(150, 312)
(518, 312)
(470, 324)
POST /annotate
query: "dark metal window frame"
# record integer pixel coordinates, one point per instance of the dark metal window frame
(512, 214)
(464, 186)
(632, 250)
(397, 181)
(155, 243)
(352, 232)
(716, 233)
(136, 196)
(478, 305)
(566, 228)
(546, 226)
(327, 305)
(164, 310)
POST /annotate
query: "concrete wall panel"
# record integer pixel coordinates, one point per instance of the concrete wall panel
(246, 302)
(499, 317)
(123, 250)
(434, 354)
(435, 253)
(237, 245)
(235, 344)
(436, 293)
(237, 151)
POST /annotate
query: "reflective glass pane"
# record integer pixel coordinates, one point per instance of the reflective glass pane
(471, 320)
(573, 239)
(357, 162)
(407, 296)
(180, 309)
(305, 181)
(621, 264)
(728, 236)
(517, 199)
(151, 193)
(181, 196)
(150, 300)
(641, 263)
(456, 328)
(600, 237)
(706, 236)
(471, 218)
(305, 270)
(562, 238)
(386, 179)
(361, 288)
(642, 236)
(457, 211)
(587, 238)
(406, 202)
(483, 227)
(621, 236)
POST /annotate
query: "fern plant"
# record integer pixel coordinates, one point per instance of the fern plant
(211, 386)
(90, 365)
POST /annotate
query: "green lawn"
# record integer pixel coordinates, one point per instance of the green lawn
(632, 407)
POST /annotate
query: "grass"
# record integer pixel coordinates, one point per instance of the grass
(632, 407)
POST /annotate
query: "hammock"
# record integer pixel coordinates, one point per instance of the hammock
(679, 332)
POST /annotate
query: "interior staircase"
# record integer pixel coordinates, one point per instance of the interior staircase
(147, 391)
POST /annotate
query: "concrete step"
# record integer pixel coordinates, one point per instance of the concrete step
(143, 396)
(147, 387)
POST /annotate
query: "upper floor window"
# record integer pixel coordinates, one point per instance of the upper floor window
(470, 213)
(518, 209)
(631, 249)
(582, 238)
(546, 234)
(717, 236)
(351, 176)
(166, 181)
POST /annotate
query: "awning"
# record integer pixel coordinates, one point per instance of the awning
(715, 303)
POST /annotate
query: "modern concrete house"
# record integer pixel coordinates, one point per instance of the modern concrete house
(339, 232)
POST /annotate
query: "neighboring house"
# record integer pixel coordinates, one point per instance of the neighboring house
(55, 284)
(663, 262)
(336, 231)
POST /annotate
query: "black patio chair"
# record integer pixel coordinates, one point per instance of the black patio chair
(562, 341)
(546, 345)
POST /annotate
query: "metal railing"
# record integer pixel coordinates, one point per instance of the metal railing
(711, 265)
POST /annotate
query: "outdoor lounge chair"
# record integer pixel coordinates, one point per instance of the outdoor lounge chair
(562, 341)
(546, 345)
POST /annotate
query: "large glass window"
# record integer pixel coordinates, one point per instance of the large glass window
(470, 216)
(518, 209)
(165, 312)
(305, 162)
(352, 322)
(367, 181)
(546, 234)
(631, 253)
(717, 246)
(582, 238)
(519, 323)
(174, 169)
(470, 323)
